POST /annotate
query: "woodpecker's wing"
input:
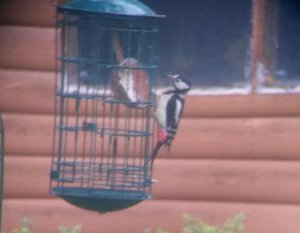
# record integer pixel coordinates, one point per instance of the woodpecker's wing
(174, 112)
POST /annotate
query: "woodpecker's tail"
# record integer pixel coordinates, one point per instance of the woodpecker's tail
(155, 152)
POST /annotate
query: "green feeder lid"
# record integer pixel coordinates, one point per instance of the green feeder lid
(123, 7)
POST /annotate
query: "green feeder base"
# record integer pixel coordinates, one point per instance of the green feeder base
(100, 200)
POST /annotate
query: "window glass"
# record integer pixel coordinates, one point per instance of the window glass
(205, 40)
(288, 52)
(210, 42)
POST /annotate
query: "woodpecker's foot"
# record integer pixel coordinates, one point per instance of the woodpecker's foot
(153, 181)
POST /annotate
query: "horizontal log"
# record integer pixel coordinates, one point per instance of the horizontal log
(228, 180)
(33, 13)
(210, 180)
(20, 176)
(27, 48)
(36, 95)
(265, 105)
(47, 215)
(26, 134)
(242, 138)
(27, 91)
(250, 138)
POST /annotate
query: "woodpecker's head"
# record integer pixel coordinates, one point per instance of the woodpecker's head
(180, 84)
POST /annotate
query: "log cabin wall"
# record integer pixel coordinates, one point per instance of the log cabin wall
(234, 153)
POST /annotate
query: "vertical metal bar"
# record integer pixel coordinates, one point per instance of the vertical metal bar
(86, 134)
(115, 142)
(126, 145)
(59, 150)
(55, 101)
(135, 139)
(110, 138)
(150, 45)
(103, 125)
(93, 140)
(153, 83)
(95, 110)
(66, 80)
(2, 134)
(140, 41)
(78, 100)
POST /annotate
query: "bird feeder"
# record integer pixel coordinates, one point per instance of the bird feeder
(103, 129)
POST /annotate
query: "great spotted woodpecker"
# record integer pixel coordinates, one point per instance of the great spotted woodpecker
(169, 109)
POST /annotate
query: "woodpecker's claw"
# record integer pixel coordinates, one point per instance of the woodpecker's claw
(153, 181)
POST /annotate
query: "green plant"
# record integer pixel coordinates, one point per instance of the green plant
(193, 224)
(74, 229)
(25, 228)
(197, 225)
(27, 222)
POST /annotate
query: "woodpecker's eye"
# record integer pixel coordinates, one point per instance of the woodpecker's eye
(177, 80)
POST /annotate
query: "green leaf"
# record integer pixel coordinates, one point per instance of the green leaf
(73, 229)
(25, 229)
(210, 229)
(160, 230)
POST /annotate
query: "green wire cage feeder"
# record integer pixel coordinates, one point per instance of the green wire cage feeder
(105, 74)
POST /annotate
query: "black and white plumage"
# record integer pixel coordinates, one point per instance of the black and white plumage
(169, 110)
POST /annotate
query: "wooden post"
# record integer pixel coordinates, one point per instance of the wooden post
(263, 43)
(270, 42)
(258, 10)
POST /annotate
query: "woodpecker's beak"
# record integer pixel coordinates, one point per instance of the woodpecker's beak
(171, 77)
